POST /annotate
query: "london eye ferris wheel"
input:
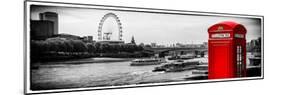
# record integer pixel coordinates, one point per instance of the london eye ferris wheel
(110, 28)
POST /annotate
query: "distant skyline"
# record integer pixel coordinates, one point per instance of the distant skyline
(164, 29)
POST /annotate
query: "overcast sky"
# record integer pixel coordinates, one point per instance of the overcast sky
(145, 27)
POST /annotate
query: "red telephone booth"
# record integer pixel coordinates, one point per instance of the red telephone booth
(227, 50)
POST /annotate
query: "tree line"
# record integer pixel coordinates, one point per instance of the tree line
(71, 47)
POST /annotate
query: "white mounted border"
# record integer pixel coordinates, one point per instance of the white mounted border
(122, 8)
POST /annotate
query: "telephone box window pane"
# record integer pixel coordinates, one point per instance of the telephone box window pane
(239, 61)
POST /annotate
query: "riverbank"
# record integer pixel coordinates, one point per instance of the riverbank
(63, 57)
(81, 61)
(90, 60)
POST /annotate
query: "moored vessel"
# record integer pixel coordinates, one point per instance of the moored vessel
(148, 61)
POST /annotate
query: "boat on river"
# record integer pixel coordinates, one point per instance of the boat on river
(255, 59)
(197, 75)
(147, 61)
(177, 66)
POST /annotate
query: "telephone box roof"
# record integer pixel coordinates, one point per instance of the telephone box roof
(227, 26)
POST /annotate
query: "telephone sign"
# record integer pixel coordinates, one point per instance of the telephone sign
(221, 35)
(239, 36)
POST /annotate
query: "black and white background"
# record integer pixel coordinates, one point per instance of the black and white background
(12, 47)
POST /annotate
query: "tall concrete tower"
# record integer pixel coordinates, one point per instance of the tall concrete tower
(51, 16)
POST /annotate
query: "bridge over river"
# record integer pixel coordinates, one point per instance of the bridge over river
(164, 51)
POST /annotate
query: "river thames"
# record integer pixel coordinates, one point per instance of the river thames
(101, 72)
(58, 76)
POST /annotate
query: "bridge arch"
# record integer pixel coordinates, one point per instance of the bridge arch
(164, 51)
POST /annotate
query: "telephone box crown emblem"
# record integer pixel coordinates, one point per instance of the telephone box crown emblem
(220, 28)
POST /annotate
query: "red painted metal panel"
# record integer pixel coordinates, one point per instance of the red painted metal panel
(222, 51)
